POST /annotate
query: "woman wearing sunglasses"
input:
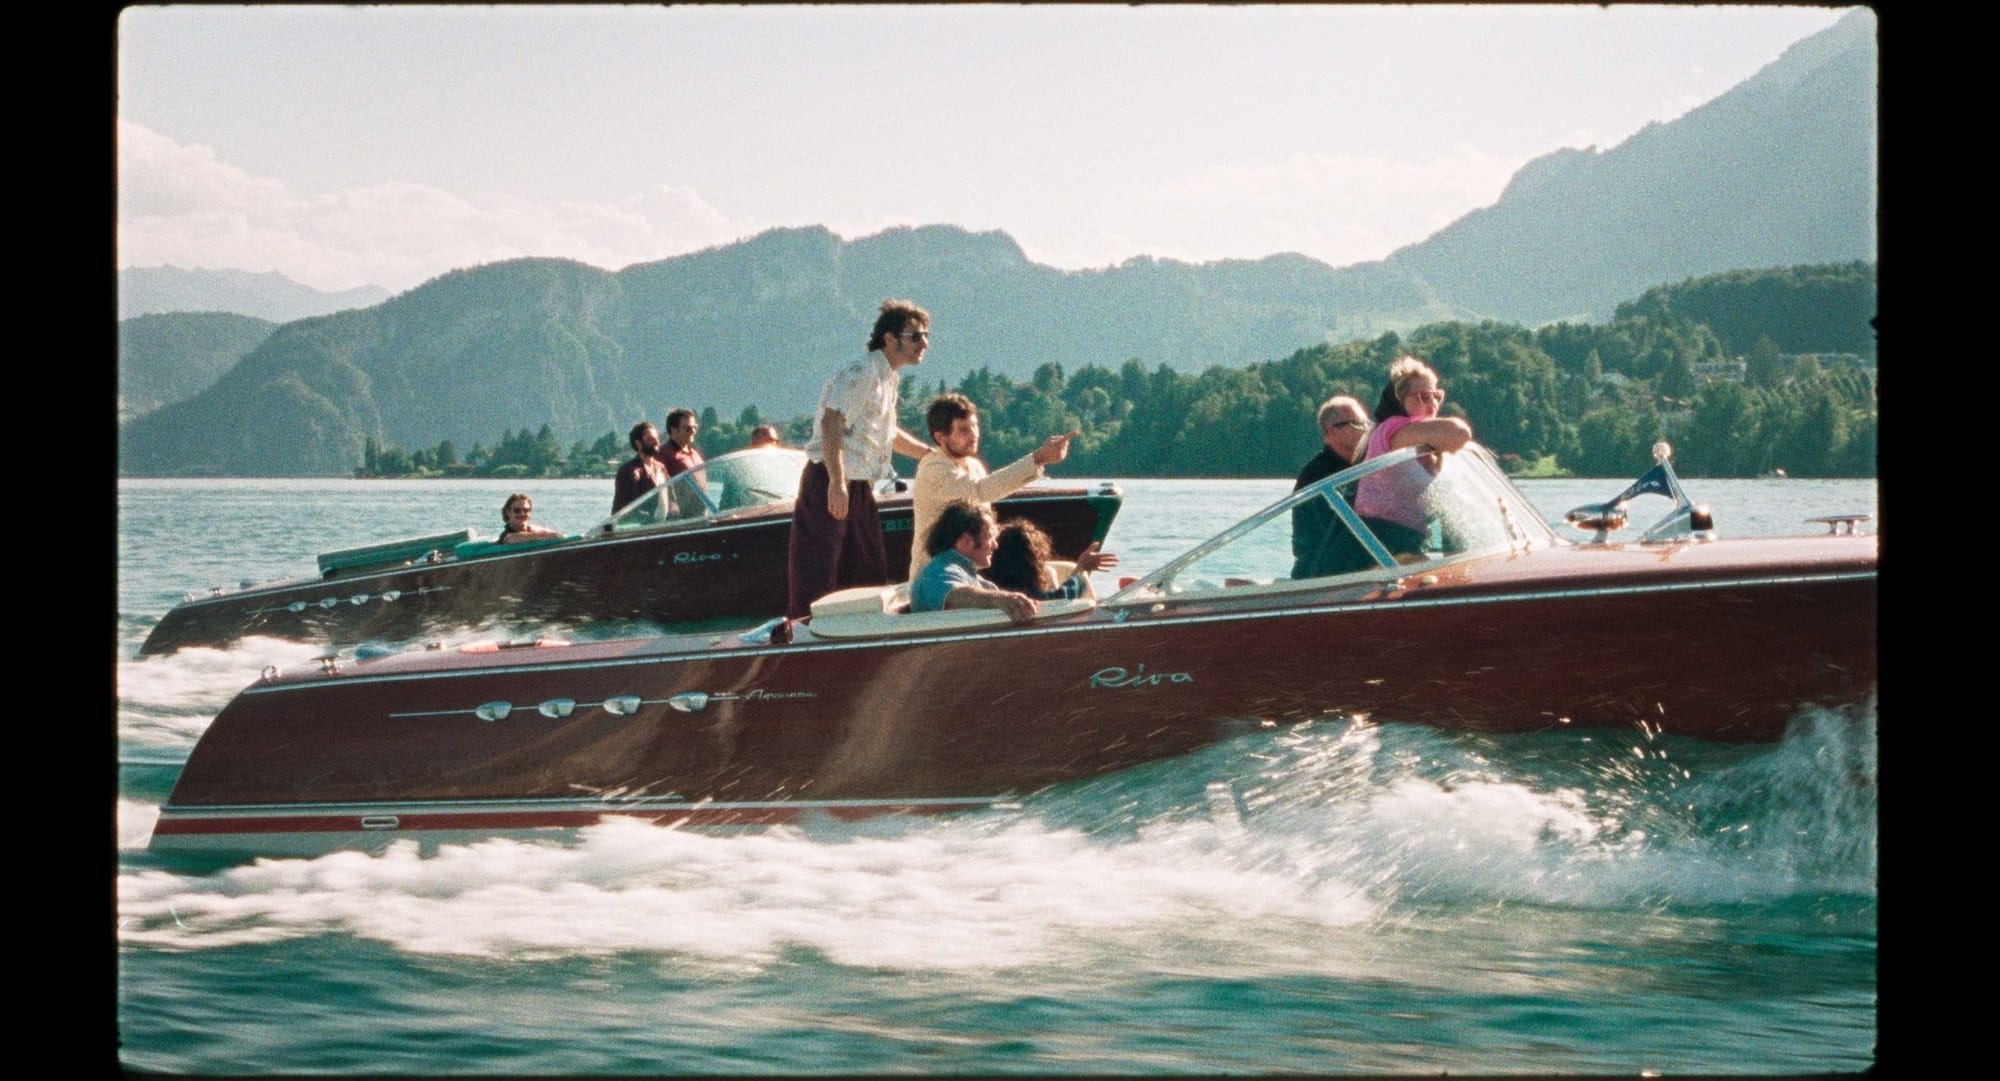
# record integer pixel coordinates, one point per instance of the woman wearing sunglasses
(1392, 501)
(516, 525)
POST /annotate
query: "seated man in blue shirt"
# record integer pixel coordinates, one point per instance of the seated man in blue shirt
(961, 544)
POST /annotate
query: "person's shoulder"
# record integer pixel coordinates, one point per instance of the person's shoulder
(1379, 438)
(850, 371)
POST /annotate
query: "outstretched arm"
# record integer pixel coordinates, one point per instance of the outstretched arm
(1019, 606)
(907, 445)
(1443, 433)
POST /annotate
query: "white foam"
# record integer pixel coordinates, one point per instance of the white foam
(948, 896)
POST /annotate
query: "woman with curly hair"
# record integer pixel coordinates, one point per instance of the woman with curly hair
(1021, 563)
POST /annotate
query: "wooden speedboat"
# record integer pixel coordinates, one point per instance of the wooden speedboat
(709, 545)
(1494, 623)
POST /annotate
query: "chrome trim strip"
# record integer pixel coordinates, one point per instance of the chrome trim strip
(1091, 625)
(575, 705)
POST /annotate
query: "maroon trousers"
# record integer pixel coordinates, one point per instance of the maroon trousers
(826, 553)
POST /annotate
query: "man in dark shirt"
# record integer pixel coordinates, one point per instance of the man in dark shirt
(644, 472)
(1343, 427)
(678, 451)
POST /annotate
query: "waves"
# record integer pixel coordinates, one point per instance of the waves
(1254, 850)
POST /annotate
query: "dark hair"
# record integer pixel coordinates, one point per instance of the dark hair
(675, 416)
(1020, 559)
(896, 314)
(1389, 405)
(765, 431)
(637, 430)
(944, 410)
(507, 527)
(958, 518)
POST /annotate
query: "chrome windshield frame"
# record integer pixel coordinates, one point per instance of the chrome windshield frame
(1536, 532)
(689, 481)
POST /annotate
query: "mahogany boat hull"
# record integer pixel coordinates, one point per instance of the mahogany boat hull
(1725, 640)
(730, 570)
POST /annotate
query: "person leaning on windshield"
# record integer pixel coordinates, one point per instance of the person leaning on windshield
(836, 538)
(961, 544)
(1343, 427)
(1392, 501)
(952, 470)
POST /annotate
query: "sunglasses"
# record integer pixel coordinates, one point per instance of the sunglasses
(1426, 395)
(915, 335)
(1350, 424)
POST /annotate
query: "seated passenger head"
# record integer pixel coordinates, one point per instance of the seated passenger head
(953, 422)
(517, 510)
(1020, 553)
(1343, 424)
(1417, 388)
(765, 435)
(967, 527)
(644, 437)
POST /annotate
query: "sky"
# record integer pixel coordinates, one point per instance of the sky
(385, 145)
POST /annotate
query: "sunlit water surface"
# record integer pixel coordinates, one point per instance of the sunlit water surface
(1325, 898)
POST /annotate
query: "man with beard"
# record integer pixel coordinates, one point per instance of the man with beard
(952, 470)
(644, 472)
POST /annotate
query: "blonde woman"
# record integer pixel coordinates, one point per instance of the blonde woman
(1392, 501)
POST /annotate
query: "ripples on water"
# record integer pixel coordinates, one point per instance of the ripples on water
(1329, 897)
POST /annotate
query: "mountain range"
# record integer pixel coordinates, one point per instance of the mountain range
(1778, 171)
(270, 295)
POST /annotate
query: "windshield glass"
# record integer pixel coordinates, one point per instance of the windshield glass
(1413, 506)
(721, 486)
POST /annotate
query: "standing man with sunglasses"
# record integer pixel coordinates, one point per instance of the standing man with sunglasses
(678, 451)
(1343, 424)
(836, 539)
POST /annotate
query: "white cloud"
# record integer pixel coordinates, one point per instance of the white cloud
(181, 205)
(1339, 208)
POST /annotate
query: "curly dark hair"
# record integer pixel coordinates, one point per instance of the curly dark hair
(958, 518)
(896, 316)
(1019, 561)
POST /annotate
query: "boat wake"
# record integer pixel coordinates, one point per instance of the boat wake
(1264, 850)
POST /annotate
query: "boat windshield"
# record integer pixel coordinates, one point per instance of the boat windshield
(720, 487)
(1466, 505)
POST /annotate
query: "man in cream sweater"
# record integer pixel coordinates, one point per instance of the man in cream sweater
(952, 470)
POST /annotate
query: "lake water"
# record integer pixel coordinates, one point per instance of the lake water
(1385, 898)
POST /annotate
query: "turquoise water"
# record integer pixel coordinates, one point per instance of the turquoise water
(1327, 898)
